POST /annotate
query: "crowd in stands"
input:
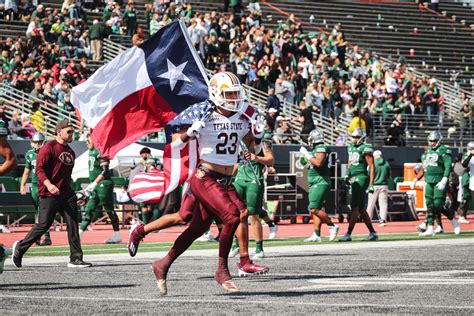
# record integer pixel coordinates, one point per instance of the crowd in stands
(320, 72)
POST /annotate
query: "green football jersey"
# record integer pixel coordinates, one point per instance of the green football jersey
(436, 164)
(466, 175)
(245, 173)
(30, 157)
(94, 165)
(357, 159)
(322, 174)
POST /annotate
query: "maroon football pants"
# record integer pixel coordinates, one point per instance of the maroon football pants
(209, 199)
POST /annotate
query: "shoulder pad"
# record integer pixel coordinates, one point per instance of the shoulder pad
(321, 149)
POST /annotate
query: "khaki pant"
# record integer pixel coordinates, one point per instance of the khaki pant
(380, 194)
(96, 45)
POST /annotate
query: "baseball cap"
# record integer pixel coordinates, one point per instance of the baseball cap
(279, 118)
(272, 110)
(63, 124)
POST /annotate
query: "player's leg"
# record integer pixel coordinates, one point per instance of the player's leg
(364, 184)
(106, 198)
(240, 188)
(356, 203)
(431, 212)
(254, 197)
(246, 266)
(89, 210)
(272, 226)
(182, 217)
(213, 193)
(439, 202)
(466, 198)
(201, 221)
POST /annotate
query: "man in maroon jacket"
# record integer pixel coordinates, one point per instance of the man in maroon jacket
(54, 168)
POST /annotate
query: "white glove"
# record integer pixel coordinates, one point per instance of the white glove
(442, 184)
(90, 188)
(193, 130)
(305, 153)
(258, 127)
(413, 184)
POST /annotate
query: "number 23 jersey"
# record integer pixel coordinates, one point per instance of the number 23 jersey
(219, 139)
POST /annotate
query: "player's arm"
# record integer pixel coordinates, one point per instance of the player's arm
(370, 163)
(9, 157)
(104, 165)
(448, 163)
(268, 159)
(184, 135)
(24, 179)
(318, 160)
(419, 173)
(465, 162)
(44, 158)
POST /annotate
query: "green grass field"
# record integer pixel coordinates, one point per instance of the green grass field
(155, 247)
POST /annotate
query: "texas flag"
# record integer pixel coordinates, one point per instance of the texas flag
(142, 89)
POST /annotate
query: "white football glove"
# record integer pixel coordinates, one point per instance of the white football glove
(442, 184)
(258, 127)
(90, 188)
(305, 153)
(195, 128)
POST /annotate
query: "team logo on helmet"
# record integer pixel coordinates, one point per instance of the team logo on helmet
(226, 91)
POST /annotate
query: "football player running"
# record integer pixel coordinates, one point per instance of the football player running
(360, 176)
(436, 167)
(319, 182)
(100, 192)
(249, 184)
(30, 168)
(211, 190)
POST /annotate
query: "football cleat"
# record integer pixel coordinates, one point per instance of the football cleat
(160, 270)
(313, 238)
(372, 237)
(428, 233)
(206, 237)
(457, 228)
(382, 223)
(223, 277)
(3, 257)
(134, 240)
(258, 255)
(439, 230)
(115, 239)
(463, 220)
(333, 230)
(234, 252)
(16, 255)
(273, 232)
(251, 269)
(346, 237)
(229, 286)
(421, 228)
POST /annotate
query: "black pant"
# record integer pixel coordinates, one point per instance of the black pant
(49, 207)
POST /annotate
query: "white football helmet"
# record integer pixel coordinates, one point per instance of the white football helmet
(37, 141)
(358, 136)
(226, 91)
(434, 139)
(470, 146)
(316, 137)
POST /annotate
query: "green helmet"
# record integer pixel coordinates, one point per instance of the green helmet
(434, 139)
(359, 134)
(316, 136)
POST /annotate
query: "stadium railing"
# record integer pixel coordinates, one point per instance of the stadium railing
(21, 101)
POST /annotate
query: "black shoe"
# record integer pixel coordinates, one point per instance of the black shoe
(17, 256)
(78, 263)
(46, 242)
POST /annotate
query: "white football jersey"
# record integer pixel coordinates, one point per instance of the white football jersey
(219, 140)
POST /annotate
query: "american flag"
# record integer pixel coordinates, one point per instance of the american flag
(179, 161)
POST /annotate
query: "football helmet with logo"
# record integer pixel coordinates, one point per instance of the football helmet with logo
(226, 91)
(316, 137)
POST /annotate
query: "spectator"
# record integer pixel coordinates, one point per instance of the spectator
(465, 115)
(271, 118)
(380, 194)
(130, 18)
(272, 100)
(356, 122)
(17, 131)
(37, 118)
(97, 33)
(4, 120)
(306, 118)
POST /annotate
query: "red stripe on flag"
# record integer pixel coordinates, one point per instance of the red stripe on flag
(140, 113)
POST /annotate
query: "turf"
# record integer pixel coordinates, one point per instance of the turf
(164, 246)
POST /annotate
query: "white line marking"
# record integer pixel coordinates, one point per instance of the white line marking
(232, 300)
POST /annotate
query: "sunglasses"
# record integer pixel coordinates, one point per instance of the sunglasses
(69, 131)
